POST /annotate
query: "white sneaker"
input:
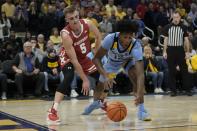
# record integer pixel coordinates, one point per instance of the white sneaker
(3, 97)
(73, 93)
(91, 93)
(160, 90)
(110, 93)
(156, 90)
(117, 93)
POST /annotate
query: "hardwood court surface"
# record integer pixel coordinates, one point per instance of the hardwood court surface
(167, 113)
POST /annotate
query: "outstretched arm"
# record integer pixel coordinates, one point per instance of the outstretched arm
(97, 61)
(67, 43)
(187, 47)
(139, 66)
(109, 79)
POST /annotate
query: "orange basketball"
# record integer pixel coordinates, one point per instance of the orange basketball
(116, 111)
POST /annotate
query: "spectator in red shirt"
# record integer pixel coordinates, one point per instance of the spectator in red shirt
(141, 9)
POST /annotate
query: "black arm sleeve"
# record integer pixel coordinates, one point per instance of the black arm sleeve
(165, 30)
(16, 60)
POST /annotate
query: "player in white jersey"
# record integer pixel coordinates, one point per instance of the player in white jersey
(123, 50)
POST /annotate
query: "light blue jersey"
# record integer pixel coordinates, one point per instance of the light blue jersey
(90, 55)
(119, 57)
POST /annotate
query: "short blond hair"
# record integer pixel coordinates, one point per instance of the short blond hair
(69, 9)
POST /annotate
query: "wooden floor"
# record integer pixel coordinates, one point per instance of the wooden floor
(168, 114)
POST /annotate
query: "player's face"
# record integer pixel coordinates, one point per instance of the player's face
(73, 18)
(125, 39)
(176, 18)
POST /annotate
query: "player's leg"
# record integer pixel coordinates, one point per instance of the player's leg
(132, 73)
(68, 72)
(99, 96)
(98, 99)
(100, 93)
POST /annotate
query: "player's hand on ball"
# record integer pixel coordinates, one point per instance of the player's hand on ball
(85, 87)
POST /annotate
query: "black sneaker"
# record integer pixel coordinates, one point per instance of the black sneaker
(19, 97)
(189, 93)
(173, 94)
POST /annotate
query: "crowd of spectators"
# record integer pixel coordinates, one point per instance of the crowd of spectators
(40, 21)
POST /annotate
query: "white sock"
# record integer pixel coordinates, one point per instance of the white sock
(55, 106)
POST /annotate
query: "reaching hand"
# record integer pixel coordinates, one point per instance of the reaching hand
(109, 80)
(85, 87)
(109, 83)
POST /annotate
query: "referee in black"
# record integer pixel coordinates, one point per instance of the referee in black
(176, 51)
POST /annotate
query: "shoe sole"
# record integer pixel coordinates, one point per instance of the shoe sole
(3, 98)
(147, 119)
(50, 122)
(74, 96)
(85, 114)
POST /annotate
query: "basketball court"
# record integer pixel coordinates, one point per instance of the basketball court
(167, 113)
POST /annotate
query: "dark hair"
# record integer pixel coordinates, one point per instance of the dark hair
(69, 9)
(127, 26)
(1, 18)
(53, 30)
(33, 38)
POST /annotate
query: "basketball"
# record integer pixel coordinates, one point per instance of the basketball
(116, 111)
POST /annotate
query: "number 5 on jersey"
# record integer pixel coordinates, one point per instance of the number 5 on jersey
(83, 48)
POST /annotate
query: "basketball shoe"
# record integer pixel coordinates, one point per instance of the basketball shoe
(104, 106)
(52, 117)
(93, 106)
(142, 113)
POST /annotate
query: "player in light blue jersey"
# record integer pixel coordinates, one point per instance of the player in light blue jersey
(122, 50)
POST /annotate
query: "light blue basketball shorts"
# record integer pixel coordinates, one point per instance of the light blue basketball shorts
(109, 68)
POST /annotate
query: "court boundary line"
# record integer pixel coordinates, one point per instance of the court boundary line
(24, 120)
(160, 127)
